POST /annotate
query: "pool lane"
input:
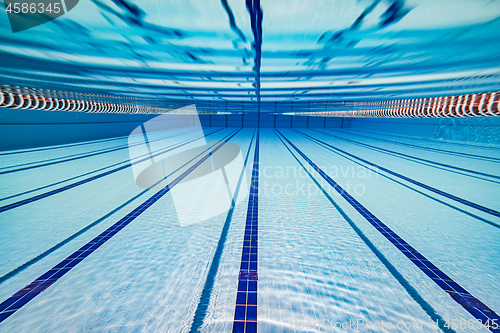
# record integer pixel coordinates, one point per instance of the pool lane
(473, 305)
(423, 161)
(451, 147)
(31, 177)
(450, 182)
(62, 152)
(312, 265)
(79, 144)
(410, 290)
(74, 157)
(445, 194)
(70, 213)
(128, 164)
(27, 180)
(150, 275)
(23, 296)
(245, 313)
(207, 292)
(451, 158)
(460, 244)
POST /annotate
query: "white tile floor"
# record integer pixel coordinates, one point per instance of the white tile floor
(312, 265)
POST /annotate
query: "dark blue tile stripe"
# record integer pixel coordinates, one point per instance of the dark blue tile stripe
(39, 257)
(61, 146)
(417, 159)
(86, 180)
(443, 151)
(23, 296)
(415, 189)
(470, 303)
(202, 308)
(245, 315)
(69, 179)
(412, 292)
(422, 185)
(74, 158)
(60, 182)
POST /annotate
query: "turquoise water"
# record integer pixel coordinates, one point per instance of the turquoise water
(318, 259)
(171, 53)
(260, 206)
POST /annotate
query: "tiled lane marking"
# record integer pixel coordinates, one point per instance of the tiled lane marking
(474, 306)
(443, 151)
(70, 186)
(63, 159)
(427, 187)
(419, 160)
(245, 315)
(201, 310)
(415, 189)
(17, 151)
(23, 296)
(435, 317)
(71, 178)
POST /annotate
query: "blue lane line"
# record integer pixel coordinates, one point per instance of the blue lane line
(39, 257)
(73, 158)
(54, 159)
(245, 314)
(201, 310)
(84, 181)
(428, 309)
(60, 182)
(471, 304)
(71, 178)
(496, 225)
(23, 296)
(62, 146)
(443, 151)
(417, 159)
(427, 187)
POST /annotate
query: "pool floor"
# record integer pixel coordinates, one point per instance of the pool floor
(342, 230)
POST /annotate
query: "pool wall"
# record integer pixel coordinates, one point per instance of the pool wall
(21, 129)
(477, 129)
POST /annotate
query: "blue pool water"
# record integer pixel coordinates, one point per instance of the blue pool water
(214, 166)
(318, 259)
(229, 55)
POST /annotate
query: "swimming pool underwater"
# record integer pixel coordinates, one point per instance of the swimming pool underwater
(342, 230)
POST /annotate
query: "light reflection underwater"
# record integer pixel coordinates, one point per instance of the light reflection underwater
(244, 166)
